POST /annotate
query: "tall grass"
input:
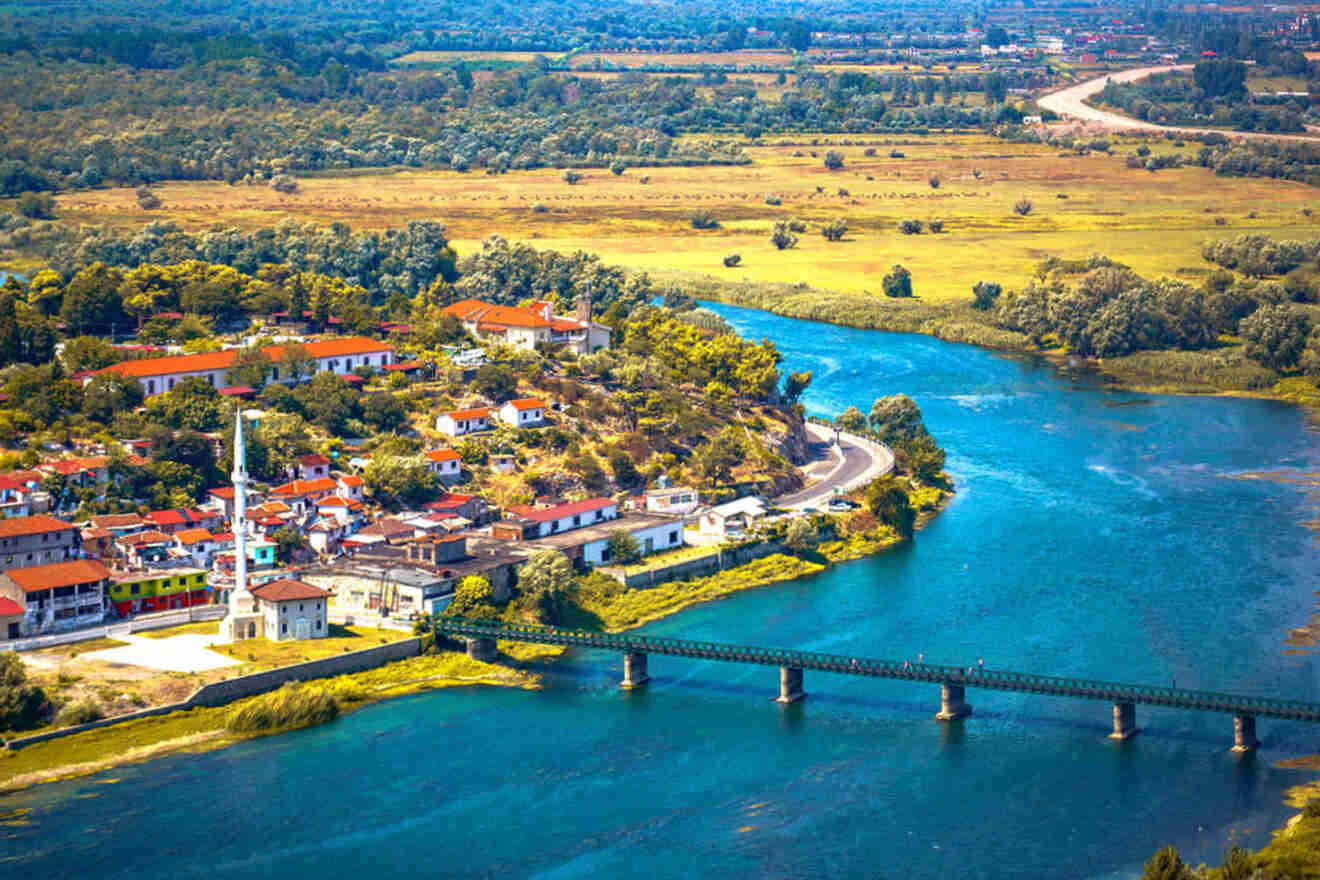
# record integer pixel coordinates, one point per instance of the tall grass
(292, 706)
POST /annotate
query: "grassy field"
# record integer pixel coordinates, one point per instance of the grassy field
(1154, 222)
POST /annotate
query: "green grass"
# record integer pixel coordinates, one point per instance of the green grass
(201, 627)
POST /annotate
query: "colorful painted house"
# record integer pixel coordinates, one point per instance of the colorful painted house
(144, 591)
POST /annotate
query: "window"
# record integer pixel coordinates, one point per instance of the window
(210, 378)
(284, 629)
(171, 384)
(151, 386)
(673, 536)
(577, 520)
(318, 624)
(300, 606)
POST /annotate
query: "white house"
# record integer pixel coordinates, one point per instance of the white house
(312, 467)
(565, 517)
(734, 518)
(350, 487)
(444, 463)
(537, 324)
(526, 412)
(340, 356)
(463, 421)
(292, 610)
(199, 544)
(653, 534)
(674, 501)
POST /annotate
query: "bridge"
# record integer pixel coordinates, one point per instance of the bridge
(481, 636)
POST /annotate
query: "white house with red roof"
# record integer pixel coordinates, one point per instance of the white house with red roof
(350, 487)
(344, 511)
(525, 412)
(540, 522)
(525, 328)
(199, 544)
(291, 609)
(301, 495)
(458, 422)
(182, 519)
(444, 463)
(312, 467)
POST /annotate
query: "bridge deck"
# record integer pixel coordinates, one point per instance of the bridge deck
(992, 679)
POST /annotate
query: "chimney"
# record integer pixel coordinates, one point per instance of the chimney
(584, 306)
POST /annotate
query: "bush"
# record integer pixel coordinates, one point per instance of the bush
(934, 181)
(572, 177)
(797, 226)
(834, 160)
(898, 283)
(703, 220)
(82, 711)
(147, 199)
(732, 260)
(869, 151)
(540, 208)
(985, 294)
(283, 183)
(22, 705)
(936, 225)
(36, 206)
(294, 705)
(773, 200)
(896, 154)
(834, 230)
(1023, 207)
(910, 226)
(782, 238)
(617, 167)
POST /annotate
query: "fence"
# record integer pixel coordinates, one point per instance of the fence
(140, 623)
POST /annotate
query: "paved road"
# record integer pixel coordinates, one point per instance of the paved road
(1070, 103)
(856, 462)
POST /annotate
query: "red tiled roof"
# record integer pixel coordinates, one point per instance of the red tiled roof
(150, 537)
(31, 525)
(287, 589)
(442, 455)
(403, 366)
(526, 403)
(223, 360)
(352, 481)
(480, 412)
(559, 511)
(471, 310)
(313, 460)
(223, 492)
(238, 391)
(58, 574)
(8, 607)
(188, 537)
(117, 520)
(305, 487)
(449, 501)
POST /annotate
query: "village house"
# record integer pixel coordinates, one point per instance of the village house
(382, 531)
(589, 545)
(526, 412)
(734, 518)
(345, 512)
(98, 543)
(140, 592)
(473, 508)
(444, 463)
(526, 328)
(120, 524)
(146, 549)
(528, 523)
(350, 487)
(198, 544)
(36, 540)
(293, 609)
(11, 620)
(59, 596)
(674, 501)
(222, 500)
(302, 495)
(16, 497)
(463, 421)
(340, 356)
(173, 521)
(312, 467)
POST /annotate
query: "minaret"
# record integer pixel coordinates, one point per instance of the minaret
(240, 593)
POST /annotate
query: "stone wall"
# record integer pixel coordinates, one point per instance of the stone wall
(702, 566)
(221, 693)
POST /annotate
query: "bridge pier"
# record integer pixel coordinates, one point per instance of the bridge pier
(952, 704)
(634, 670)
(1244, 734)
(1125, 721)
(790, 685)
(482, 648)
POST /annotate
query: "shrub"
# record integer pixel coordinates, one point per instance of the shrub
(896, 154)
(934, 181)
(869, 151)
(572, 177)
(36, 206)
(703, 220)
(898, 283)
(617, 167)
(1221, 221)
(834, 230)
(732, 260)
(910, 226)
(294, 705)
(82, 711)
(283, 183)
(540, 208)
(1023, 207)
(147, 200)
(22, 704)
(844, 192)
(985, 294)
(936, 225)
(797, 226)
(782, 237)
(773, 200)
(834, 160)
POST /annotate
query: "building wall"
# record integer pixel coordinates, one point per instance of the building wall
(280, 619)
(25, 551)
(665, 536)
(566, 523)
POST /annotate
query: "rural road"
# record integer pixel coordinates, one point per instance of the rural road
(1069, 104)
(855, 462)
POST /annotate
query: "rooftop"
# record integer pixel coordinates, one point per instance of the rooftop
(223, 360)
(58, 574)
(559, 511)
(31, 525)
(287, 589)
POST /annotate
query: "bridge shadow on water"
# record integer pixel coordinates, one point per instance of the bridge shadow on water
(576, 672)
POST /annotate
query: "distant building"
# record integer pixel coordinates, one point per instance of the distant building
(674, 501)
(464, 421)
(525, 328)
(733, 518)
(444, 463)
(527, 412)
(59, 596)
(293, 609)
(36, 540)
(145, 591)
(531, 522)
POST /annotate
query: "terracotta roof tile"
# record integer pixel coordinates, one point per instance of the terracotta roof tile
(287, 589)
(222, 360)
(31, 525)
(58, 574)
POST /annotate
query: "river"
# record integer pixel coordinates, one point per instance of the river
(1097, 533)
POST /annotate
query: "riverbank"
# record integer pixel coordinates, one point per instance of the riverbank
(613, 609)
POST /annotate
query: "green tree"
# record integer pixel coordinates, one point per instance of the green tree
(716, 459)
(833, 160)
(496, 382)
(251, 368)
(851, 419)
(385, 412)
(329, 401)
(625, 472)
(887, 499)
(1275, 335)
(22, 704)
(192, 403)
(88, 353)
(624, 549)
(834, 230)
(924, 459)
(799, 535)
(474, 598)
(897, 419)
(782, 237)
(399, 479)
(795, 385)
(288, 543)
(296, 362)
(898, 283)
(1166, 864)
(985, 294)
(545, 581)
(91, 302)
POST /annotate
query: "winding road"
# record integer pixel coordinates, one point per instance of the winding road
(1070, 103)
(854, 462)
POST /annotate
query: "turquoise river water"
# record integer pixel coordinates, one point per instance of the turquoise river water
(1097, 533)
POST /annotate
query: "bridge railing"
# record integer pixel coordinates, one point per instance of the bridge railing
(1006, 680)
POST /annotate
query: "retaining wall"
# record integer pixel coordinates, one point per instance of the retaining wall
(222, 692)
(702, 566)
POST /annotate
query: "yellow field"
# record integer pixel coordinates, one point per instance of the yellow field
(1154, 222)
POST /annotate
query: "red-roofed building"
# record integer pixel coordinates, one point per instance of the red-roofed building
(37, 540)
(537, 324)
(57, 597)
(340, 356)
(526, 412)
(292, 609)
(444, 463)
(11, 620)
(541, 522)
(470, 507)
(181, 519)
(350, 487)
(313, 467)
(458, 422)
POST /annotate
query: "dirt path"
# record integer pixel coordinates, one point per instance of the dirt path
(1070, 104)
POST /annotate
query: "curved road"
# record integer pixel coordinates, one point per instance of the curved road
(1070, 103)
(856, 461)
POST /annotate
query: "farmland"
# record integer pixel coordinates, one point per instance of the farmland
(1081, 205)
